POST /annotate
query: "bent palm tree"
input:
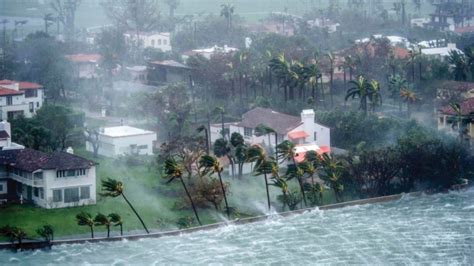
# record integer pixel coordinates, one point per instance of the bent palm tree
(359, 90)
(46, 232)
(85, 219)
(117, 221)
(113, 188)
(174, 171)
(262, 130)
(201, 129)
(332, 172)
(256, 154)
(286, 151)
(409, 97)
(211, 165)
(102, 220)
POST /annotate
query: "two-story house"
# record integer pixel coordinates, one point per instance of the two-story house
(301, 130)
(157, 40)
(19, 98)
(49, 180)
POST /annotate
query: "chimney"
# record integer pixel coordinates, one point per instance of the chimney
(70, 150)
(307, 118)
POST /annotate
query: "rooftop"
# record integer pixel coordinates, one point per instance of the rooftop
(23, 85)
(7, 92)
(442, 51)
(31, 160)
(124, 131)
(281, 123)
(169, 63)
(84, 58)
(467, 108)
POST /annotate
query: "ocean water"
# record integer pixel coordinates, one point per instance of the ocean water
(437, 229)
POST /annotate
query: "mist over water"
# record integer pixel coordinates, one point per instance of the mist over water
(429, 229)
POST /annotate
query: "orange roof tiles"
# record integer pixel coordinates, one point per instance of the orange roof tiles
(297, 135)
(84, 58)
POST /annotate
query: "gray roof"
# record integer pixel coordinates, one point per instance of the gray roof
(281, 123)
(169, 63)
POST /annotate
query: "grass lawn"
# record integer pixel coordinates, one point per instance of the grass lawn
(153, 199)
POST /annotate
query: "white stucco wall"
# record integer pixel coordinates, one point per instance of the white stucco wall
(116, 146)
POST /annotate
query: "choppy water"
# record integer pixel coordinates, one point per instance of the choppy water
(426, 230)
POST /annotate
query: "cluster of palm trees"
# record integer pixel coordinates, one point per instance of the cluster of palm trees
(18, 235)
(401, 91)
(463, 64)
(368, 93)
(86, 219)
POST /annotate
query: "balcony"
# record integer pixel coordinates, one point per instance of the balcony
(28, 180)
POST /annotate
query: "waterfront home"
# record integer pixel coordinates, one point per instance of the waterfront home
(300, 130)
(123, 140)
(209, 52)
(452, 122)
(19, 98)
(167, 71)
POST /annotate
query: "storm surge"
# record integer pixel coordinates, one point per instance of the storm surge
(436, 229)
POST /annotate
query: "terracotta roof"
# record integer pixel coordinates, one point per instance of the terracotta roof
(400, 53)
(23, 85)
(281, 123)
(300, 156)
(31, 160)
(466, 29)
(298, 135)
(458, 86)
(7, 92)
(84, 58)
(467, 108)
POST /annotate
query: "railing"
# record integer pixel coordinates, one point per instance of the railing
(29, 180)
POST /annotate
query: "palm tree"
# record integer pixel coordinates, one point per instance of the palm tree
(459, 121)
(262, 130)
(286, 152)
(374, 94)
(211, 165)
(206, 132)
(412, 58)
(102, 220)
(85, 219)
(332, 172)
(221, 111)
(117, 221)
(460, 63)
(409, 97)
(13, 233)
(172, 5)
(359, 90)
(396, 84)
(263, 166)
(113, 188)
(223, 149)
(331, 75)
(4, 22)
(281, 183)
(46, 232)
(227, 11)
(240, 151)
(174, 171)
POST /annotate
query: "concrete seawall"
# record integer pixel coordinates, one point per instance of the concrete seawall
(39, 245)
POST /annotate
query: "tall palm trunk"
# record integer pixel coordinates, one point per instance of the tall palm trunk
(300, 182)
(191, 200)
(225, 196)
(136, 213)
(121, 229)
(108, 231)
(268, 192)
(92, 231)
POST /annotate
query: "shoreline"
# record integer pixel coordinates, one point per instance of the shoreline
(33, 245)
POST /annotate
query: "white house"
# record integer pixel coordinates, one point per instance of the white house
(301, 130)
(157, 40)
(55, 180)
(441, 52)
(124, 140)
(85, 65)
(209, 52)
(19, 98)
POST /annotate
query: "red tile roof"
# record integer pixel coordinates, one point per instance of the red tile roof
(298, 135)
(464, 29)
(23, 85)
(84, 58)
(6, 92)
(467, 108)
(400, 53)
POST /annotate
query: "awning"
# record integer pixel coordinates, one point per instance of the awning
(297, 135)
(300, 155)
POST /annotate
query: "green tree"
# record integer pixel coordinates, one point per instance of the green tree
(117, 221)
(86, 219)
(262, 165)
(332, 170)
(262, 130)
(102, 220)
(211, 165)
(461, 67)
(286, 152)
(113, 188)
(46, 232)
(173, 171)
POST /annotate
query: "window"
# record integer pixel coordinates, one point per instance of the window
(36, 192)
(41, 193)
(3, 188)
(165, 42)
(37, 104)
(315, 136)
(143, 147)
(159, 41)
(14, 114)
(57, 195)
(247, 132)
(85, 193)
(71, 173)
(9, 100)
(152, 42)
(32, 107)
(31, 93)
(71, 195)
